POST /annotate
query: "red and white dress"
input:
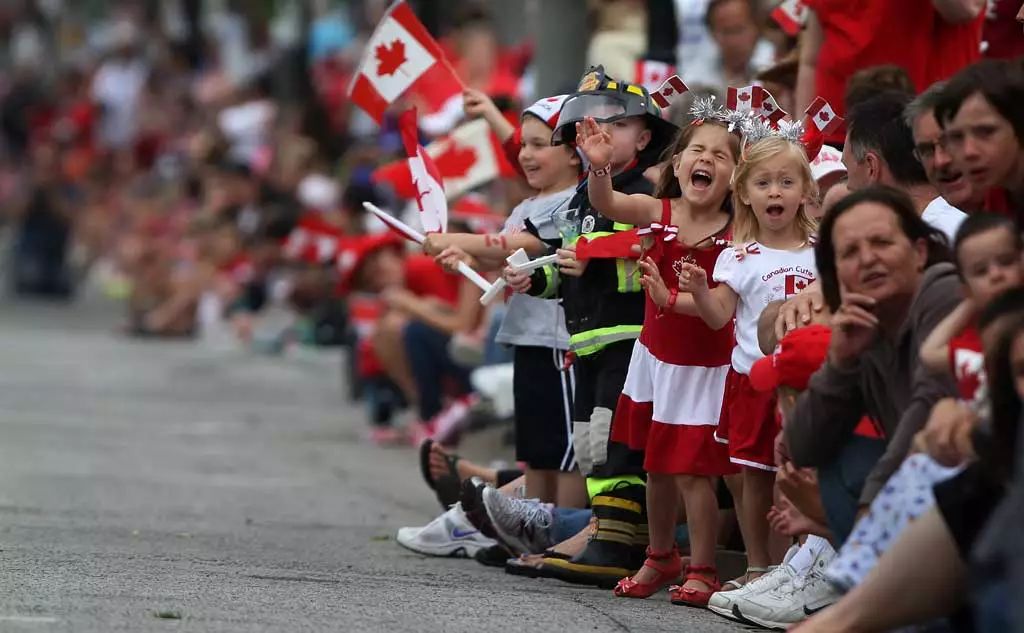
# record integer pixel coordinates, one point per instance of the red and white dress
(758, 275)
(675, 388)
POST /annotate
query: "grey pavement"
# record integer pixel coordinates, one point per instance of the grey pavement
(156, 486)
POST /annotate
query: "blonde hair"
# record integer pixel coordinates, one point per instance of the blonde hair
(744, 224)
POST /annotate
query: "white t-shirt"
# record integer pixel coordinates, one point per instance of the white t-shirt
(944, 216)
(760, 275)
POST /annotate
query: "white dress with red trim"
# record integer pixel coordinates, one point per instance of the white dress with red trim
(675, 388)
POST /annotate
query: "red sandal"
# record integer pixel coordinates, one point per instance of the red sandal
(691, 597)
(668, 564)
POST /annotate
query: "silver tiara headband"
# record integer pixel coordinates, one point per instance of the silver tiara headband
(751, 127)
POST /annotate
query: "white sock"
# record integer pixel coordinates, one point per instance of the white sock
(810, 550)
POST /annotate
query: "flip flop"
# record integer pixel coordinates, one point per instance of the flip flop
(447, 486)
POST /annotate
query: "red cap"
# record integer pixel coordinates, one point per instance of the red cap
(354, 251)
(801, 353)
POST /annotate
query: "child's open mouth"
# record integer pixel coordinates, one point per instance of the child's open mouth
(775, 210)
(701, 179)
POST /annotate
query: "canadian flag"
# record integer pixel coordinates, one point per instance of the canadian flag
(796, 283)
(467, 158)
(399, 52)
(669, 91)
(425, 177)
(746, 99)
(770, 110)
(650, 74)
(823, 117)
(791, 15)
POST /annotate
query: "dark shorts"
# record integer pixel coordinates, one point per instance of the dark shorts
(543, 408)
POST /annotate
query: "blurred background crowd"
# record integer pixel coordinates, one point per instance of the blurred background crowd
(200, 160)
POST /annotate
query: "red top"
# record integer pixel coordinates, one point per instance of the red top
(1002, 31)
(997, 200)
(967, 361)
(424, 278)
(677, 338)
(909, 33)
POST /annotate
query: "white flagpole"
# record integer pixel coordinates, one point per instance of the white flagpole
(418, 237)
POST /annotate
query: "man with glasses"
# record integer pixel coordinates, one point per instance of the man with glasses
(880, 149)
(931, 150)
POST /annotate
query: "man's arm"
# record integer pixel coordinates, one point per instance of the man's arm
(810, 46)
(959, 11)
(766, 338)
(825, 415)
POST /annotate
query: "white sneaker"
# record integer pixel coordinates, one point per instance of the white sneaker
(722, 602)
(791, 602)
(450, 534)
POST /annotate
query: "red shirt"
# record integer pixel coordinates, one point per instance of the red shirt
(909, 33)
(424, 278)
(1002, 31)
(967, 362)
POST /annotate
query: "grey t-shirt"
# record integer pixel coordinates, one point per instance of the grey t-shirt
(529, 320)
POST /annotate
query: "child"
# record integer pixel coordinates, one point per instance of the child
(604, 310)
(675, 387)
(535, 327)
(773, 260)
(988, 257)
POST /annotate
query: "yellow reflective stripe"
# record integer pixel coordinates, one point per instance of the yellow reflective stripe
(551, 284)
(616, 502)
(619, 226)
(628, 273)
(615, 525)
(585, 343)
(596, 486)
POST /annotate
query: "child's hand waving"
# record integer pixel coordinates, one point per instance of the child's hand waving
(476, 103)
(653, 282)
(595, 142)
(693, 279)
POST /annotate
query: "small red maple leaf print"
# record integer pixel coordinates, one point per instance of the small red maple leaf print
(744, 96)
(390, 57)
(767, 106)
(824, 115)
(420, 195)
(667, 91)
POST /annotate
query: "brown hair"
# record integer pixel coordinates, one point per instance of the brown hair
(868, 82)
(668, 184)
(744, 223)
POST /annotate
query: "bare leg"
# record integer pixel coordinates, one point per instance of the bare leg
(390, 349)
(924, 557)
(662, 509)
(572, 490)
(542, 484)
(465, 468)
(753, 513)
(702, 510)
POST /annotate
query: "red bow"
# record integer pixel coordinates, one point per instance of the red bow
(667, 231)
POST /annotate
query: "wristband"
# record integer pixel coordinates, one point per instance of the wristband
(603, 171)
(673, 295)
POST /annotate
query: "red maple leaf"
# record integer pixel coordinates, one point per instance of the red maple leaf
(390, 57)
(744, 96)
(824, 115)
(455, 161)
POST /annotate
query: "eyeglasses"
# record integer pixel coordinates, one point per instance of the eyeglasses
(926, 151)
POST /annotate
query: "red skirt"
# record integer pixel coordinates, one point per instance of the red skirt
(670, 412)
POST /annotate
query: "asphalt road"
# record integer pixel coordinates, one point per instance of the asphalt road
(153, 486)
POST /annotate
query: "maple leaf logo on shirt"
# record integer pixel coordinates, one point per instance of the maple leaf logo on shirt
(390, 57)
